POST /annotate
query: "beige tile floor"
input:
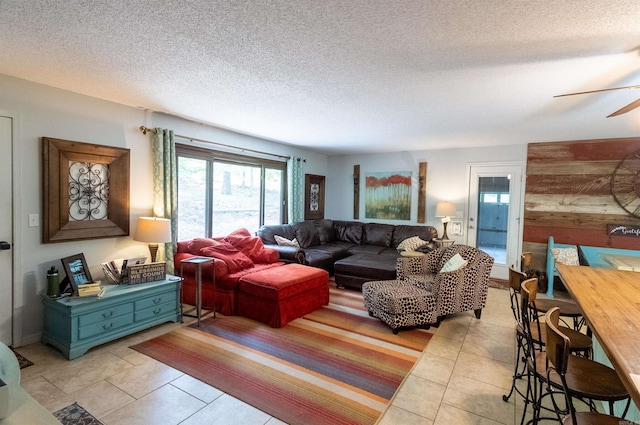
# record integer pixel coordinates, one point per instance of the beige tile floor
(460, 379)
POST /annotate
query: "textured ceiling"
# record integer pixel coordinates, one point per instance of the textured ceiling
(343, 76)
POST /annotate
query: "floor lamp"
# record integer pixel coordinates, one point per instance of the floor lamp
(445, 210)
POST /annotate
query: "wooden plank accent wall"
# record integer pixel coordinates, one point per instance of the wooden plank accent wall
(568, 194)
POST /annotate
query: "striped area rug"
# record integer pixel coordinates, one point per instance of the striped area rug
(336, 365)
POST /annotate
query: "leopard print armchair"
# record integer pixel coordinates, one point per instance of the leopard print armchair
(457, 291)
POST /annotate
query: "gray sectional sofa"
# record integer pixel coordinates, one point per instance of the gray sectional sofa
(352, 251)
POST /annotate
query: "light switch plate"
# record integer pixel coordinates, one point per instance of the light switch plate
(34, 220)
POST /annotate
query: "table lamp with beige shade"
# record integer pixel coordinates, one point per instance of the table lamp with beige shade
(445, 210)
(153, 230)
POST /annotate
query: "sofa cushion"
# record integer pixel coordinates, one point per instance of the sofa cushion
(336, 249)
(306, 234)
(318, 258)
(348, 231)
(226, 252)
(377, 234)
(366, 249)
(230, 281)
(326, 232)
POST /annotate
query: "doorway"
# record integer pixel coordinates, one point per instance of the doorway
(6, 230)
(494, 213)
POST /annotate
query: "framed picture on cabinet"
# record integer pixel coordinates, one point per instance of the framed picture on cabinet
(78, 274)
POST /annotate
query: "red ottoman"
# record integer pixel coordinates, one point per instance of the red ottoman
(277, 296)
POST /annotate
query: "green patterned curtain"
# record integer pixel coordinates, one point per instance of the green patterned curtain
(296, 189)
(165, 187)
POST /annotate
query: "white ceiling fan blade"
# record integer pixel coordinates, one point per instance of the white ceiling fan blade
(597, 91)
(630, 107)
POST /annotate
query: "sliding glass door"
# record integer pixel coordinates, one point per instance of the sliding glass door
(217, 195)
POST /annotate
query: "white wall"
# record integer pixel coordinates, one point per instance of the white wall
(43, 111)
(447, 179)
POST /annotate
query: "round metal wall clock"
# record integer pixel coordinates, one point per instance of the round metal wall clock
(625, 184)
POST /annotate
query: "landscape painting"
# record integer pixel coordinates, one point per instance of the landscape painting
(388, 195)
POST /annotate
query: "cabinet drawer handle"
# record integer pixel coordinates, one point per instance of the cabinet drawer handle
(107, 315)
(157, 300)
(157, 311)
(107, 327)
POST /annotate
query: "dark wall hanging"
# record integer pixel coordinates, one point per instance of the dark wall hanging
(313, 197)
(85, 191)
(422, 192)
(356, 192)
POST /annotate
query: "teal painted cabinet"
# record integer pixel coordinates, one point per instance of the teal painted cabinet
(75, 325)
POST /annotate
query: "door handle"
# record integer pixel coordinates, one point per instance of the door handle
(4, 245)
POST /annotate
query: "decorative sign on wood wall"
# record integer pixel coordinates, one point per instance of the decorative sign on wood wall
(623, 230)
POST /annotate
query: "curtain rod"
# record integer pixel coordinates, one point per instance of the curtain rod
(144, 130)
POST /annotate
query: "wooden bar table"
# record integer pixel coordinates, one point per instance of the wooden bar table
(610, 302)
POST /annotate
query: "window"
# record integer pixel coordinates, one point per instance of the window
(490, 198)
(219, 192)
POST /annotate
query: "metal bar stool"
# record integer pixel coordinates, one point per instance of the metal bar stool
(577, 377)
(534, 340)
(581, 343)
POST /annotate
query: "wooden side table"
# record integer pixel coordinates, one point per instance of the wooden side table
(198, 262)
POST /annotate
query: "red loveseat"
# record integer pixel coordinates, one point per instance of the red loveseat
(236, 255)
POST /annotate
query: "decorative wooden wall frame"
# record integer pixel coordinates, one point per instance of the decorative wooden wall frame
(85, 191)
(356, 191)
(314, 197)
(422, 192)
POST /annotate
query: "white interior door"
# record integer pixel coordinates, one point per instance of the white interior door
(6, 226)
(494, 213)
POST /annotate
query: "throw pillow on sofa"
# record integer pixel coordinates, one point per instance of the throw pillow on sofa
(235, 260)
(411, 244)
(567, 256)
(286, 242)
